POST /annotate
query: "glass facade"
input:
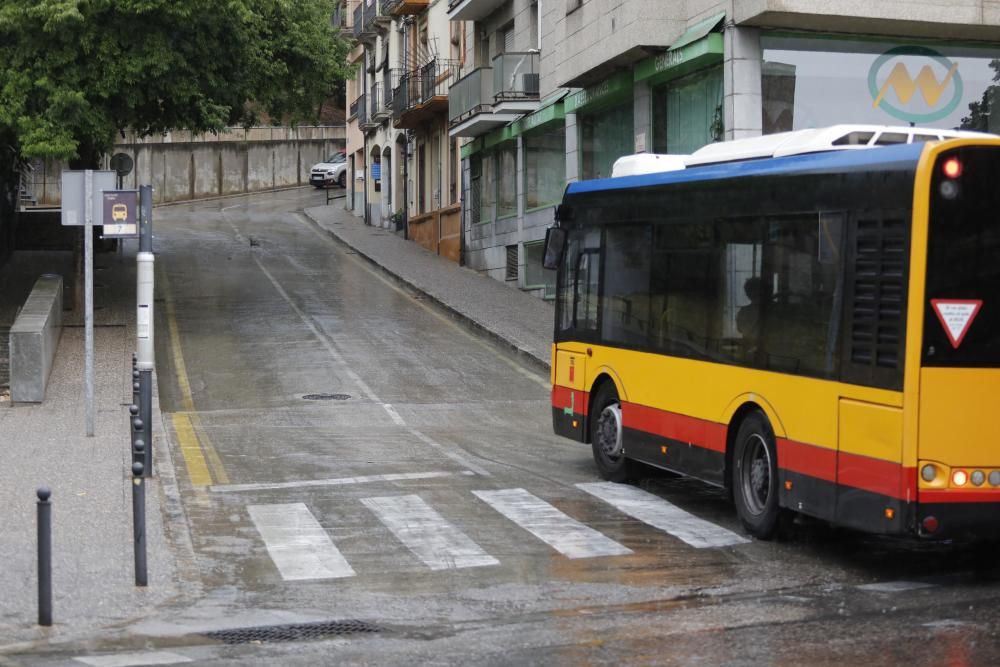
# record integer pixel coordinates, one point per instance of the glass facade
(605, 136)
(815, 82)
(506, 177)
(687, 112)
(545, 166)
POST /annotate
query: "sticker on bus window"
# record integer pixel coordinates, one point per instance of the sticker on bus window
(956, 316)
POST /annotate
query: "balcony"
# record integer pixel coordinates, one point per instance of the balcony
(404, 7)
(363, 26)
(357, 106)
(422, 94)
(472, 10)
(491, 97)
(382, 102)
(366, 117)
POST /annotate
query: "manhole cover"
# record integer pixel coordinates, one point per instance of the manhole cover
(326, 397)
(292, 632)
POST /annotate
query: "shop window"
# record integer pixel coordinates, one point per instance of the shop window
(506, 179)
(544, 166)
(808, 82)
(687, 112)
(488, 187)
(605, 136)
(535, 276)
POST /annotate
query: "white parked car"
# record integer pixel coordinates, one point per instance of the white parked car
(330, 171)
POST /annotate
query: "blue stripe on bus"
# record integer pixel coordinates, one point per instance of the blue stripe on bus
(888, 158)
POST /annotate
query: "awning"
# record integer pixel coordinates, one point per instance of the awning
(700, 46)
(616, 89)
(698, 30)
(551, 110)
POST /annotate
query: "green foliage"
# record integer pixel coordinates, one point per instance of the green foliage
(74, 72)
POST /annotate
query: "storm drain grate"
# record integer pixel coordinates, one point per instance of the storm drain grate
(292, 632)
(326, 397)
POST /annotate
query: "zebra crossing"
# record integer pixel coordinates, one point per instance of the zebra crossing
(301, 549)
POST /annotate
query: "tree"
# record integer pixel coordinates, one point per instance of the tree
(979, 112)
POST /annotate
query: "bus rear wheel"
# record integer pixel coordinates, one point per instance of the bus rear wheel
(606, 435)
(755, 476)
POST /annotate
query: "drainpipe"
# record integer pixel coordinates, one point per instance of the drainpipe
(406, 185)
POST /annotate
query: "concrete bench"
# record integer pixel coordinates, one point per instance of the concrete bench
(34, 338)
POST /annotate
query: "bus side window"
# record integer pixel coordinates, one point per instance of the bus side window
(588, 276)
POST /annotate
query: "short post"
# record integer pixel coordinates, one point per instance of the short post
(139, 517)
(44, 556)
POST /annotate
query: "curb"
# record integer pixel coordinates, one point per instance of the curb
(457, 315)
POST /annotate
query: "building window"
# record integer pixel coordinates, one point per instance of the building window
(506, 178)
(544, 166)
(687, 112)
(505, 39)
(605, 136)
(511, 272)
(535, 276)
(809, 83)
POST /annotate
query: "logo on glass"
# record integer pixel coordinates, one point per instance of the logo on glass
(900, 62)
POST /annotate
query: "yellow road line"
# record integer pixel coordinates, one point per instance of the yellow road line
(198, 446)
(191, 449)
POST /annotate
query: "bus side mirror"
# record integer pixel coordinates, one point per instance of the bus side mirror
(555, 241)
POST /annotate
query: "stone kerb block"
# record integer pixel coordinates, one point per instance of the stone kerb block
(34, 338)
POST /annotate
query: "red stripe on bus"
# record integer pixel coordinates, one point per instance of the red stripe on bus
(810, 460)
(959, 496)
(878, 476)
(562, 397)
(700, 432)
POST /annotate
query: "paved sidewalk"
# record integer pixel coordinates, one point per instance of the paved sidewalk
(509, 316)
(44, 444)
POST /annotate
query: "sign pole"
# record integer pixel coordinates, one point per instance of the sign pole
(88, 309)
(144, 321)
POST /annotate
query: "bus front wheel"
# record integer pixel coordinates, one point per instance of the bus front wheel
(755, 476)
(606, 435)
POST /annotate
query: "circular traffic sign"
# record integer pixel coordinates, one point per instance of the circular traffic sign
(121, 163)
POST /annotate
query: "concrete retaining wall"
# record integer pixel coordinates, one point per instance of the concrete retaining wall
(178, 171)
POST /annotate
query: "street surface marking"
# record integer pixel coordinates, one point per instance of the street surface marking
(338, 481)
(298, 545)
(895, 586)
(661, 514)
(202, 448)
(339, 359)
(433, 540)
(561, 532)
(133, 659)
(191, 451)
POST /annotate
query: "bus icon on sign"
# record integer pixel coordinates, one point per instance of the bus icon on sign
(119, 212)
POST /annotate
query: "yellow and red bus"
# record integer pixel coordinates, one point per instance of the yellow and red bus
(817, 333)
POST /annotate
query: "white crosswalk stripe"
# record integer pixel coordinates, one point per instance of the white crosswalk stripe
(663, 515)
(427, 534)
(298, 545)
(563, 533)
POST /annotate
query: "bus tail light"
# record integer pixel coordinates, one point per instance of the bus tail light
(952, 168)
(959, 477)
(928, 473)
(930, 525)
(995, 478)
(977, 478)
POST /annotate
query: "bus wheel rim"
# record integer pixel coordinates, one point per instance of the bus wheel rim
(609, 431)
(756, 474)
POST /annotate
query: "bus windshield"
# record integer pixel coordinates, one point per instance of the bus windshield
(962, 312)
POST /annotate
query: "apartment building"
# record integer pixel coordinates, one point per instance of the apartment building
(405, 168)
(552, 91)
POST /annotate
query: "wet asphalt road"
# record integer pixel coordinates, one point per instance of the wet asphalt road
(371, 485)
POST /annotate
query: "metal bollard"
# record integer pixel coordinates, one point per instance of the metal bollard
(139, 517)
(133, 412)
(137, 454)
(146, 413)
(44, 557)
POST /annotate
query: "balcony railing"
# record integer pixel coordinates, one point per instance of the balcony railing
(404, 7)
(371, 11)
(515, 76)
(471, 94)
(382, 100)
(357, 106)
(358, 20)
(366, 115)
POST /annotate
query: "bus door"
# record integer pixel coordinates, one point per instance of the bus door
(958, 451)
(577, 319)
